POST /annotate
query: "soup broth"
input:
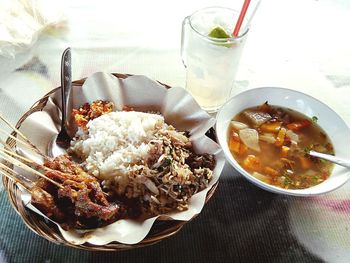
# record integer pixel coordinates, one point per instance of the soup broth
(272, 143)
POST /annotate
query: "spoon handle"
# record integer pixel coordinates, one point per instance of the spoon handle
(66, 83)
(331, 158)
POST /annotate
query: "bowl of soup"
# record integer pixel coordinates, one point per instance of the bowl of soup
(267, 133)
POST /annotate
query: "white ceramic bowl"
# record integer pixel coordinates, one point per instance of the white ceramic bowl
(334, 126)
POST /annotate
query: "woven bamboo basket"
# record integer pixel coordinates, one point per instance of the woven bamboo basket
(161, 229)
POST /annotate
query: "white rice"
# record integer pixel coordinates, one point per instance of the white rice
(116, 143)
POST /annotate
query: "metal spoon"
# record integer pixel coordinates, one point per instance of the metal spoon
(331, 158)
(59, 144)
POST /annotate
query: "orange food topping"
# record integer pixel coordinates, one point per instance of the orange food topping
(88, 112)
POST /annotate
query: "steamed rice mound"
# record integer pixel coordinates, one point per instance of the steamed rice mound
(138, 155)
(117, 142)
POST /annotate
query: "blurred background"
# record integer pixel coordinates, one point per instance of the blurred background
(291, 43)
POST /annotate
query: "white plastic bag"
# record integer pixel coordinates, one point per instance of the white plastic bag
(21, 21)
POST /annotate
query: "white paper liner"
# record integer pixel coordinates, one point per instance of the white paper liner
(175, 104)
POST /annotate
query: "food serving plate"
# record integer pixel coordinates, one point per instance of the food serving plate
(163, 227)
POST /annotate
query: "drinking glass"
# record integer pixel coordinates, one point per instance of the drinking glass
(211, 63)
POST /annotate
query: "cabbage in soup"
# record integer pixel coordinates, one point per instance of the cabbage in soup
(272, 144)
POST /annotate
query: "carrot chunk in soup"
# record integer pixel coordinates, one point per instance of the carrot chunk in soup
(298, 125)
(234, 142)
(270, 171)
(273, 127)
(252, 163)
(280, 137)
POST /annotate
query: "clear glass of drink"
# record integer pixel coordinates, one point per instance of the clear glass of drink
(211, 58)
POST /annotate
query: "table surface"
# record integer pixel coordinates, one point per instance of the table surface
(297, 44)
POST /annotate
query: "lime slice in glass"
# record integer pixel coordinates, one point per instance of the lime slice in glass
(218, 33)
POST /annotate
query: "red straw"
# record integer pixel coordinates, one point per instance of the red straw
(241, 17)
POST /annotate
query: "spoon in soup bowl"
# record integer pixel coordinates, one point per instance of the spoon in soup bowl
(331, 158)
(59, 143)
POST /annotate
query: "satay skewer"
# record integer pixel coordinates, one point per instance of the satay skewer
(27, 168)
(32, 163)
(26, 160)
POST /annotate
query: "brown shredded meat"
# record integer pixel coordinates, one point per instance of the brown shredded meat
(172, 175)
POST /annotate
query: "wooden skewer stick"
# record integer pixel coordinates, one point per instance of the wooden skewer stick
(28, 161)
(14, 161)
(13, 178)
(15, 138)
(24, 143)
(31, 163)
(23, 136)
(13, 127)
(17, 175)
